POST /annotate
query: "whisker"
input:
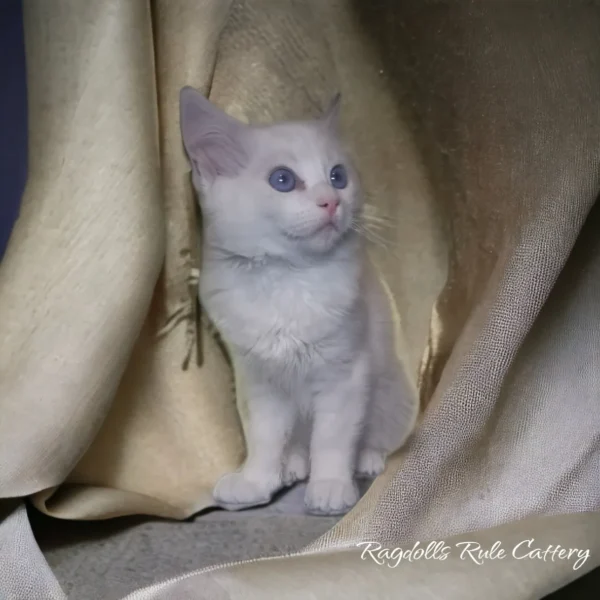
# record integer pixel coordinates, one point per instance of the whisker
(378, 222)
(373, 215)
(366, 231)
(374, 226)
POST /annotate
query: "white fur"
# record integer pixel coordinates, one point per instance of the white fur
(306, 322)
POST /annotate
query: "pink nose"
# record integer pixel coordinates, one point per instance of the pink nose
(330, 205)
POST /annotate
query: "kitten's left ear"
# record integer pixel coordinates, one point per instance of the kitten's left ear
(331, 117)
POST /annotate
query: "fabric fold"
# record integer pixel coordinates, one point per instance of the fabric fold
(24, 572)
(172, 429)
(77, 277)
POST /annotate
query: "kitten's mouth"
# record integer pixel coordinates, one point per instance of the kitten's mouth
(329, 225)
(333, 223)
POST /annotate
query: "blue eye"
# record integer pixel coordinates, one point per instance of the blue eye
(282, 180)
(338, 177)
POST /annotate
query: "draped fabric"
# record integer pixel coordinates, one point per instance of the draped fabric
(476, 129)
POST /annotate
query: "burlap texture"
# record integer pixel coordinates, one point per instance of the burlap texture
(476, 128)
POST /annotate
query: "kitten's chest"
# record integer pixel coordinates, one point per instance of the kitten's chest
(277, 315)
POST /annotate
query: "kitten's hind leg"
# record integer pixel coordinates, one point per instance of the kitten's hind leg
(391, 418)
(296, 465)
(370, 463)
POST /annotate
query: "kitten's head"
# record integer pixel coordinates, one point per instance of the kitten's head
(278, 190)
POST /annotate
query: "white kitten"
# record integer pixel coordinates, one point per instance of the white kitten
(285, 280)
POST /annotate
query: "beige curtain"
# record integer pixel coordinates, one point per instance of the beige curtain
(476, 128)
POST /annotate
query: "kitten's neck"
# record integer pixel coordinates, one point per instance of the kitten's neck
(348, 249)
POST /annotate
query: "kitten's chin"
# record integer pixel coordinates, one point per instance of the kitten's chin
(323, 240)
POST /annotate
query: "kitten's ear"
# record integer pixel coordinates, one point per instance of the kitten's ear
(212, 139)
(331, 117)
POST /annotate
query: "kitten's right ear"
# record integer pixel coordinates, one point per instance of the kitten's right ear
(331, 116)
(212, 139)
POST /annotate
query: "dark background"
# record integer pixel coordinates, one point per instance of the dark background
(13, 116)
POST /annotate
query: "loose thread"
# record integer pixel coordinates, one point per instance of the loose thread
(189, 312)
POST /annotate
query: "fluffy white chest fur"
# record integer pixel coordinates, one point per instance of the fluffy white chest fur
(283, 317)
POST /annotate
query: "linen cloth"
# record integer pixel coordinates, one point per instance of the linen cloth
(476, 128)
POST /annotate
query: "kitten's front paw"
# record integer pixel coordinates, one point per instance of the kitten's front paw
(370, 463)
(330, 496)
(236, 490)
(296, 467)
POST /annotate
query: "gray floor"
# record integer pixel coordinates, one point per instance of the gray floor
(106, 560)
